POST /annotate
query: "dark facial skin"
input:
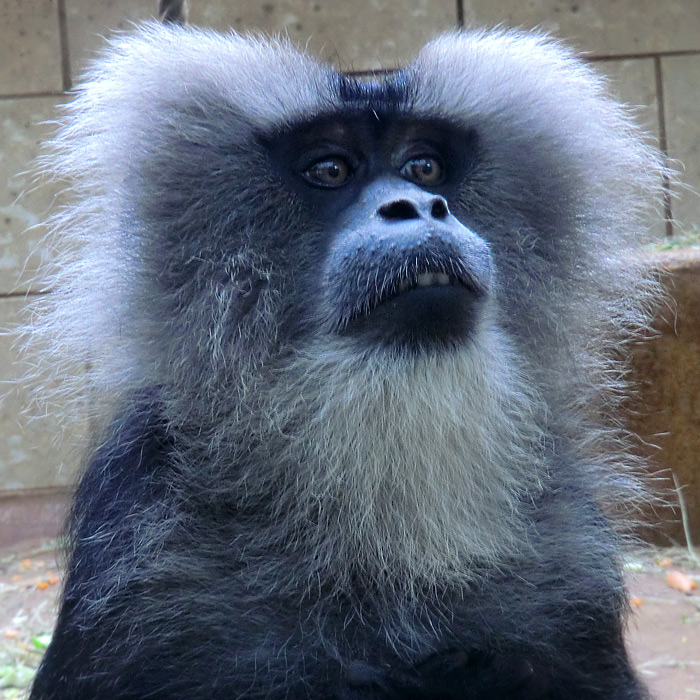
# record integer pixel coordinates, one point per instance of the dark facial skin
(401, 269)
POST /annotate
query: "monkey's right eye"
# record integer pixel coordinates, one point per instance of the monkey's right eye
(329, 172)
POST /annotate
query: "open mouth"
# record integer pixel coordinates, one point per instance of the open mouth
(391, 289)
(414, 310)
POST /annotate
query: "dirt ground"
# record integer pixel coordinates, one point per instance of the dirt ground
(664, 635)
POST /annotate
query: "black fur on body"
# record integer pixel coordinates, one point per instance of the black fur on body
(315, 474)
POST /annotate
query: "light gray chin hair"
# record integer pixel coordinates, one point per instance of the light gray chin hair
(415, 470)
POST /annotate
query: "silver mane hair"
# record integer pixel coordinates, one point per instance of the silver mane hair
(193, 284)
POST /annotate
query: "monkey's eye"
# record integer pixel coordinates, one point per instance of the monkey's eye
(329, 172)
(424, 170)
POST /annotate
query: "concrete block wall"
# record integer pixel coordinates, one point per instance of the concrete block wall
(649, 48)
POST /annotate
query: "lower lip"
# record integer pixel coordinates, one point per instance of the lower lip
(421, 316)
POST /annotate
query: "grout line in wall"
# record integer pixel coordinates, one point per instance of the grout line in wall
(25, 294)
(651, 54)
(65, 49)
(26, 95)
(663, 141)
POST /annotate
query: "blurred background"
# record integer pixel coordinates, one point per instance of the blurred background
(650, 49)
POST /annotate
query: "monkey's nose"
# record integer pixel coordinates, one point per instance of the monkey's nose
(405, 209)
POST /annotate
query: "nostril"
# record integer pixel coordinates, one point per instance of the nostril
(399, 210)
(439, 209)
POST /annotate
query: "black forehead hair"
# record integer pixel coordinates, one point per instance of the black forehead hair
(385, 94)
(379, 97)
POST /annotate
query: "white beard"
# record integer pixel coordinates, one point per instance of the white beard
(410, 471)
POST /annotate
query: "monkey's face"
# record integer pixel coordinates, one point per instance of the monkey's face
(397, 268)
(256, 203)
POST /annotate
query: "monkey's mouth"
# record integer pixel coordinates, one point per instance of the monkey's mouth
(425, 307)
(455, 276)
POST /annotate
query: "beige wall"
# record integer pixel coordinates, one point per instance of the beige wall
(650, 48)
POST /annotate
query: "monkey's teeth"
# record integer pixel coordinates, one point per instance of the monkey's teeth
(426, 279)
(429, 279)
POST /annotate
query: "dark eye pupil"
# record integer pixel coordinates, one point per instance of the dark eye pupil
(333, 172)
(426, 170)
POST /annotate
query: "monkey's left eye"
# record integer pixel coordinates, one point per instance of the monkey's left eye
(329, 172)
(424, 170)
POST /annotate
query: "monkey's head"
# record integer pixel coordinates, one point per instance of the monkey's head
(237, 193)
(390, 269)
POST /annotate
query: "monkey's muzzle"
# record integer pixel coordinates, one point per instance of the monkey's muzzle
(420, 286)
